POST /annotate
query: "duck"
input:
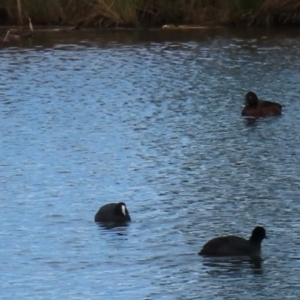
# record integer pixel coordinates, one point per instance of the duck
(255, 107)
(232, 245)
(113, 212)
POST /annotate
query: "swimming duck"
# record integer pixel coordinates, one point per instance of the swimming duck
(260, 108)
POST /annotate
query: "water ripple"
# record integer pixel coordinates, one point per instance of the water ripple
(152, 119)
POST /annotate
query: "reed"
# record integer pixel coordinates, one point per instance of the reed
(133, 13)
(115, 12)
(221, 11)
(20, 12)
(280, 12)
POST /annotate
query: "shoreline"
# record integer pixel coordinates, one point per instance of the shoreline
(151, 13)
(25, 33)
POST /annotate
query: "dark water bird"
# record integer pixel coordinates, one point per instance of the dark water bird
(255, 107)
(235, 246)
(19, 33)
(114, 213)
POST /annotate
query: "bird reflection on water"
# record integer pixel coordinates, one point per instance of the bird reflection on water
(221, 265)
(117, 228)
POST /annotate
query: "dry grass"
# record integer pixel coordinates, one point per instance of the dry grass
(107, 13)
(115, 12)
(280, 12)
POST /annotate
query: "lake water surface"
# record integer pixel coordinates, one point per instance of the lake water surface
(151, 119)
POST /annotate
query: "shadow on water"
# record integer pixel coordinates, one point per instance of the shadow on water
(252, 121)
(221, 265)
(112, 225)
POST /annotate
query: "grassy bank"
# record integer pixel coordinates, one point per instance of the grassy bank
(150, 13)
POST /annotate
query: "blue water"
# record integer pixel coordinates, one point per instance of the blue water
(151, 119)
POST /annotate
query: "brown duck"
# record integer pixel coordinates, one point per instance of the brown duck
(255, 107)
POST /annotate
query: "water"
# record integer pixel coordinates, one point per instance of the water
(151, 119)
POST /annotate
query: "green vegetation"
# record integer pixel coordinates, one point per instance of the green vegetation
(150, 13)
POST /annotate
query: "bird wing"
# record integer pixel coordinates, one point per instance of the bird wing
(226, 246)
